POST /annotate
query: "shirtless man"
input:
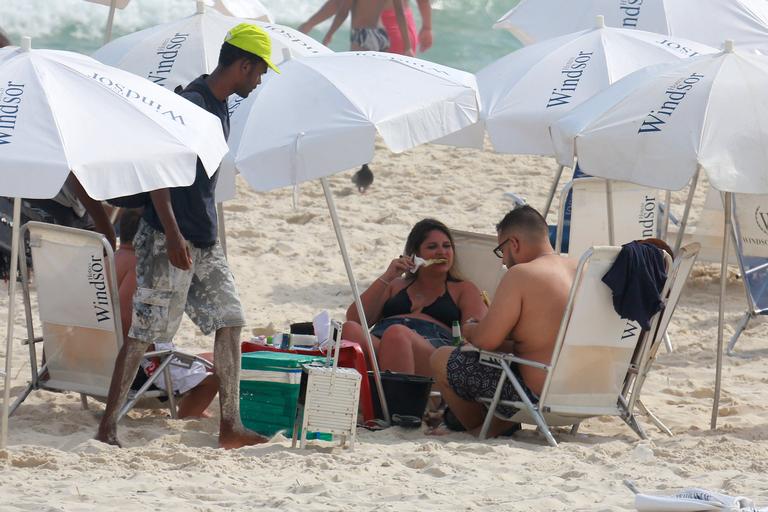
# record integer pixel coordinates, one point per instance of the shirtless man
(366, 32)
(389, 21)
(523, 319)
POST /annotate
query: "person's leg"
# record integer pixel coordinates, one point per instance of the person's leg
(126, 366)
(353, 331)
(406, 351)
(232, 433)
(157, 310)
(469, 413)
(213, 304)
(194, 404)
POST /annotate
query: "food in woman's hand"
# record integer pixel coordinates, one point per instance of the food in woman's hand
(435, 261)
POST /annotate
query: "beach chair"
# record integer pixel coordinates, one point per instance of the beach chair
(635, 213)
(80, 316)
(707, 230)
(475, 261)
(643, 360)
(750, 230)
(590, 360)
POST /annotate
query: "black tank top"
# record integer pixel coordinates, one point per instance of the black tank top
(443, 309)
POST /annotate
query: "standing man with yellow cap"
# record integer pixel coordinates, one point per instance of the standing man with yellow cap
(180, 263)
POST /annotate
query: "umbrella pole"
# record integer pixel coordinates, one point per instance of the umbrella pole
(609, 200)
(728, 204)
(552, 191)
(11, 318)
(665, 219)
(110, 22)
(684, 220)
(356, 293)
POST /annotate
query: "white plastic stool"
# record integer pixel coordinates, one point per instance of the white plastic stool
(329, 400)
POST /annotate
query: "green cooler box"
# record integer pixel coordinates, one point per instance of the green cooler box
(269, 390)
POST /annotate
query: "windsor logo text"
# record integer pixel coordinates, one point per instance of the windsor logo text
(10, 103)
(97, 279)
(168, 53)
(676, 93)
(572, 73)
(630, 12)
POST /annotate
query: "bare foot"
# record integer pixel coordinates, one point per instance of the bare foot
(200, 416)
(440, 430)
(239, 438)
(108, 437)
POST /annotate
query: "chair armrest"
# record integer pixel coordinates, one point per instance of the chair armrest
(184, 358)
(38, 339)
(511, 358)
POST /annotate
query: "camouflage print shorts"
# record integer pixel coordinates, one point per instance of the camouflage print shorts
(164, 293)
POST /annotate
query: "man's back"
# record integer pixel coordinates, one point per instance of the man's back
(366, 13)
(544, 286)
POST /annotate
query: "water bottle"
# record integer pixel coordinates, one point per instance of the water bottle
(456, 333)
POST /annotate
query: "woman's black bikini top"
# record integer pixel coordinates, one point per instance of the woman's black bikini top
(443, 309)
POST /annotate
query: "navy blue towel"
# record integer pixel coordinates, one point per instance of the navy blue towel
(636, 280)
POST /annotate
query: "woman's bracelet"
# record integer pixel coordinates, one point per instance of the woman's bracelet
(383, 281)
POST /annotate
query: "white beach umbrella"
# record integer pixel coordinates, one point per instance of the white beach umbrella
(707, 21)
(118, 133)
(660, 126)
(322, 114)
(177, 52)
(252, 9)
(338, 103)
(525, 91)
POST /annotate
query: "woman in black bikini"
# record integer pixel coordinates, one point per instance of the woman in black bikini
(413, 312)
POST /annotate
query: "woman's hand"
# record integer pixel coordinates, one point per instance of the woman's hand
(397, 267)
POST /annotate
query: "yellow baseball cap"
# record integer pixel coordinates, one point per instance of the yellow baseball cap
(253, 39)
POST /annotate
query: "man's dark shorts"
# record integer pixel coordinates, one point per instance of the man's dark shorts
(206, 292)
(472, 380)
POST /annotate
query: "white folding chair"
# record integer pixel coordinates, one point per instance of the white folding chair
(644, 358)
(80, 316)
(476, 261)
(635, 214)
(750, 230)
(590, 360)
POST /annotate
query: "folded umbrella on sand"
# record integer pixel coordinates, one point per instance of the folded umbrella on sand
(118, 133)
(323, 113)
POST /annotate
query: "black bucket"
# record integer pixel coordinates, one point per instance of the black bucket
(407, 395)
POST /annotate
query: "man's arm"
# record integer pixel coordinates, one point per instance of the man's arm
(342, 10)
(425, 33)
(493, 330)
(176, 246)
(94, 209)
(409, 47)
(328, 9)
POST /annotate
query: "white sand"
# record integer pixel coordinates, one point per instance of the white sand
(288, 267)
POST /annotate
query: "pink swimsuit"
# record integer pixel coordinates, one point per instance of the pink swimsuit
(389, 21)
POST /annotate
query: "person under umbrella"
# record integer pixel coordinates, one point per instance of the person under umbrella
(180, 264)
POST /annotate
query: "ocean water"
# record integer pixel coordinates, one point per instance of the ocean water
(463, 37)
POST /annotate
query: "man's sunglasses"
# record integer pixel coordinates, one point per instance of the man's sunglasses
(498, 250)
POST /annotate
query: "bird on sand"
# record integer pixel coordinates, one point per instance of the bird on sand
(363, 178)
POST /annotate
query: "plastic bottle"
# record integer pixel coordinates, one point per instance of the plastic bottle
(456, 333)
